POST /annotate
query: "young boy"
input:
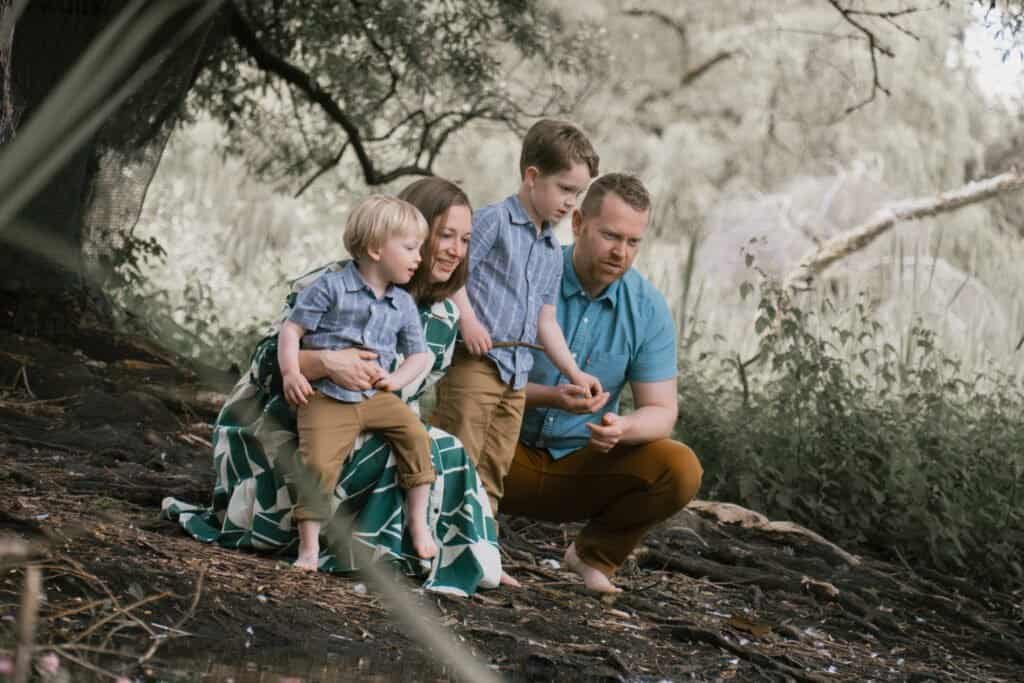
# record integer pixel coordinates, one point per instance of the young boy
(360, 306)
(515, 267)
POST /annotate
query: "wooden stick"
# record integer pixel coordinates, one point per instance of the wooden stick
(511, 344)
(815, 262)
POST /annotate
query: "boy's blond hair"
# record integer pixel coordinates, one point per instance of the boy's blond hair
(379, 218)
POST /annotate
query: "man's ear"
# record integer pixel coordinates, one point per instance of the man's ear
(577, 223)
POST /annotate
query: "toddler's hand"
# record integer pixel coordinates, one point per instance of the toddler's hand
(476, 336)
(296, 388)
(386, 382)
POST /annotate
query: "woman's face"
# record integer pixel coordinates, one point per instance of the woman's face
(451, 242)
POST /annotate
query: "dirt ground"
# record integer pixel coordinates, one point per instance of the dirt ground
(96, 431)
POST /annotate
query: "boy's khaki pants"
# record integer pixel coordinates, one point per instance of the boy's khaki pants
(484, 413)
(620, 494)
(328, 431)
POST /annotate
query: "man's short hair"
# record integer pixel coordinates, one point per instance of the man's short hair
(553, 146)
(379, 218)
(627, 187)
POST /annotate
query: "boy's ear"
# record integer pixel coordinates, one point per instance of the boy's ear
(373, 252)
(530, 175)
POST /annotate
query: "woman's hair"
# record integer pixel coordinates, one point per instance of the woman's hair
(379, 218)
(434, 196)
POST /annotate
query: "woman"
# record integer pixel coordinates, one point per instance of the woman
(255, 442)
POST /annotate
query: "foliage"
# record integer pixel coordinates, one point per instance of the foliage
(899, 450)
(301, 83)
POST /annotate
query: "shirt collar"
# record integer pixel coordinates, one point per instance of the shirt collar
(354, 282)
(571, 282)
(517, 216)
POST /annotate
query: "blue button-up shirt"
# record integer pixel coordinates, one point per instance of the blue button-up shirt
(513, 271)
(626, 334)
(340, 311)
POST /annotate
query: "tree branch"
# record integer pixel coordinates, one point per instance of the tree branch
(875, 48)
(301, 80)
(815, 262)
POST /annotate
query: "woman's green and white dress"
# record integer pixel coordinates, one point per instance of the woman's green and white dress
(255, 447)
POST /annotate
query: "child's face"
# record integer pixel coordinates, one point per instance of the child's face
(554, 195)
(399, 258)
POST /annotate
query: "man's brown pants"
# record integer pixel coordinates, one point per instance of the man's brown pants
(484, 413)
(328, 431)
(622, 493)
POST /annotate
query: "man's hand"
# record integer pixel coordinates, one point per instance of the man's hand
(352, 369)
(606, 436)
(476, 336)
(573, 398)
(296, 388)
(589, 383)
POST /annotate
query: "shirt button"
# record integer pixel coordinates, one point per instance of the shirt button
(551, 419)
(585, 320)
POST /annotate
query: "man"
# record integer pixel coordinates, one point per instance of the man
(578, 459)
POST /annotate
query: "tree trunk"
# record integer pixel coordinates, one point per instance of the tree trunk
(48, 38)
(57, 258)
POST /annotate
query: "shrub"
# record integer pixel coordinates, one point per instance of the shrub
(883, 449)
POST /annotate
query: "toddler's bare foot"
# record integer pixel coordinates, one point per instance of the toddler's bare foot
(309, 546)
(422, 540)
(593, 579)
(509, 581)
(308, 563)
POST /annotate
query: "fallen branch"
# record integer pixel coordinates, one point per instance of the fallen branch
(815, 262)
(28, 616)
(687, 632)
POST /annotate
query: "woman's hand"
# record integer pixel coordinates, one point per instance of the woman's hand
(476, 336)
(352, 369)
(296, 388)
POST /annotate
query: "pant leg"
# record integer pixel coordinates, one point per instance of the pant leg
(390, 417)
(499, 446)
(623, 493)
(327, 431)
(467, 399)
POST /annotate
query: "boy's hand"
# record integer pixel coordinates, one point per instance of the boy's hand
(296, 388)
(476, 336)
(575, 399)
(589, 383)
(606, 435)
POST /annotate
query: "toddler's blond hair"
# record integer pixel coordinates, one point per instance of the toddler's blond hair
(379, 218)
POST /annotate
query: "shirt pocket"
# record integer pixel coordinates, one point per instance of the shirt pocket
(610, 368)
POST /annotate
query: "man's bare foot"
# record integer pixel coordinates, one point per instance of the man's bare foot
(593, 579)
(509, 581)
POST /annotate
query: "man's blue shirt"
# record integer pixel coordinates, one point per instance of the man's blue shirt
(626, 334)
(513, 271)
(340, 311)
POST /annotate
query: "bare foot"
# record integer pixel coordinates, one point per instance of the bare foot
(422, 540)
(509, 581)
(307, 563)
(309, 546)
(593, 579)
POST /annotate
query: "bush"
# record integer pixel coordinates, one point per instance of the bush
(879, 448)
